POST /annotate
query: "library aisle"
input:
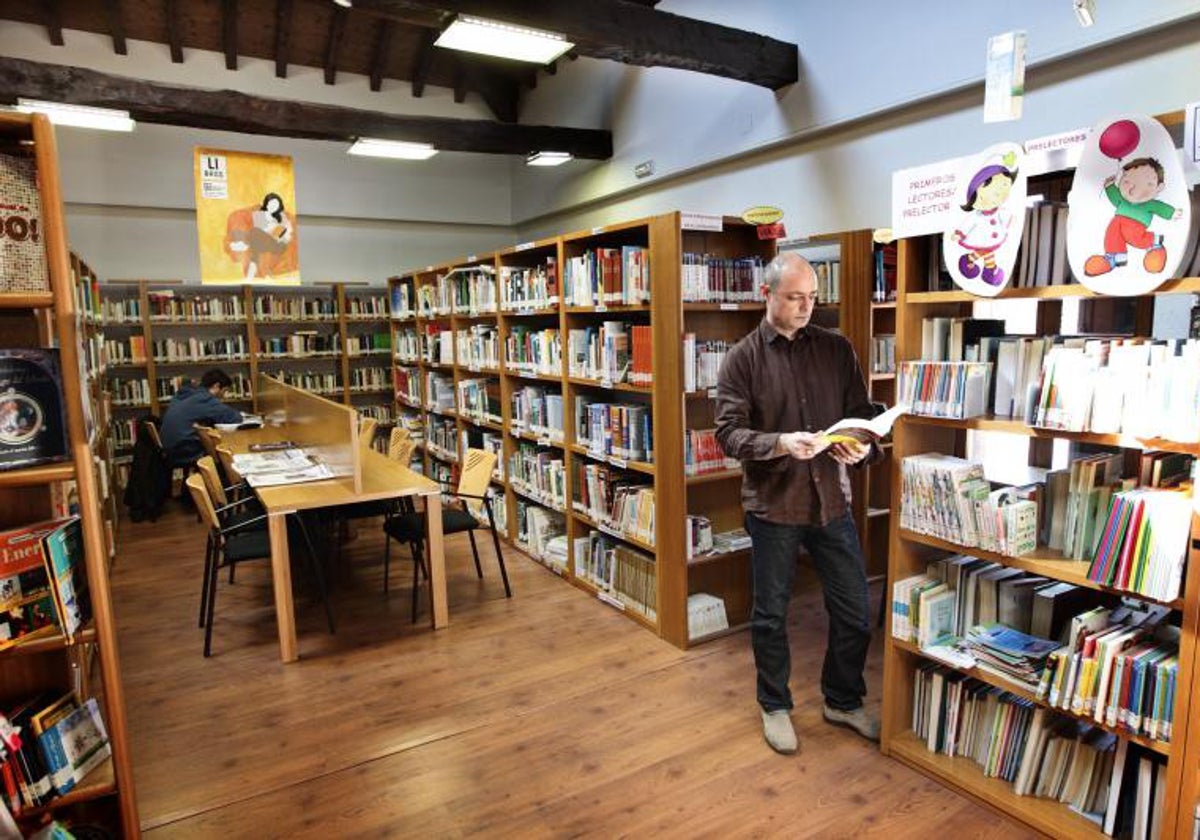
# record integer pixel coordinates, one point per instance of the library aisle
(482, 727)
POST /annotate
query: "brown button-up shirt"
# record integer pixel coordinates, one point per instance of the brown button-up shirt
(769, 385)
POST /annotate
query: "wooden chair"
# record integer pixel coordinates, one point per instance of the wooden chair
(209, 439)
(400, 437)
(367, 426)
(230, 543)
(474, 501)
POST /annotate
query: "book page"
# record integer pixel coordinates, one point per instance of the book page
(878, 427)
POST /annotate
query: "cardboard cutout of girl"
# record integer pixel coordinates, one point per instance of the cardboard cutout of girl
(1129, 214)
(981, 246)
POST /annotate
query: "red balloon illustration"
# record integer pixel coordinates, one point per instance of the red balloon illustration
(1119, 139)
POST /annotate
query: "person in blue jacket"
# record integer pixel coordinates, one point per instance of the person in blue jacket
(193, 405)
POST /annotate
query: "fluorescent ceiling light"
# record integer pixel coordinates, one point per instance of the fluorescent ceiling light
(1085, 11)
(345, 4)
(78, 116)
(369, 147)
(503, 40)
(547, 158)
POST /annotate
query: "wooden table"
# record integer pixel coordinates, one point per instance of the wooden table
(382, 478)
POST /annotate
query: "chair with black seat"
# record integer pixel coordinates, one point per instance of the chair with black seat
(246, 506)
(231, 542)
(474, 500)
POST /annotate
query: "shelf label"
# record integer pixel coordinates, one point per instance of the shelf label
(597, 230)
(610, 600)
(610, 531)
(606, 383)
(618, 462)
(601, 307)
(1054, 152)
(524, 246)
(701, 221)
(712, 393)
(470, 258)
(923, 198)
(729, 307)
(543, 441)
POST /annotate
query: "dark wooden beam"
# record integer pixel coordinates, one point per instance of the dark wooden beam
(116, 26)
(283, 36)
(499, 92)
(229, 27)
(632, 33)
(424, 60)
(460, 80)
(226, 110)
(171, 12)
(552, 68)
(337, 27)
(383, 48)
(52, 14)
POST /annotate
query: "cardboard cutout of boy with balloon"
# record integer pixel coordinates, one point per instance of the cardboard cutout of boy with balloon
(980, 247)
(1129, 208)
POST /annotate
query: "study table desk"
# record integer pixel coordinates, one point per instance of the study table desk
(382, 478)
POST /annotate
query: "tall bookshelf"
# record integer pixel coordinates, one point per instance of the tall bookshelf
(336, 332)
(106, 795)
(527, 318)
(910, 552)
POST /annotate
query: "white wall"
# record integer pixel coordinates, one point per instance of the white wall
(130, 200)
(826, 147)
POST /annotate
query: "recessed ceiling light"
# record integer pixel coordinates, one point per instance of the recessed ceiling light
(78, 116)
(345, 4)
(547, 158)
(503, 40)
(399, 149)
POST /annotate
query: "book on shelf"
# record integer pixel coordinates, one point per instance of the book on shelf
(699, 535)
(706, 278)
(625, 577)
(957, 390)
(706, 615)
(33, 428)
(726, 542)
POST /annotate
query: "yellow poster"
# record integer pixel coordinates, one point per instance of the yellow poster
(246, 218)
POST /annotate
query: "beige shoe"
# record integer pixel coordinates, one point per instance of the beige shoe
(860, 720)
(777, 729)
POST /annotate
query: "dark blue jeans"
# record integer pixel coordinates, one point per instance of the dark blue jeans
(838, 559)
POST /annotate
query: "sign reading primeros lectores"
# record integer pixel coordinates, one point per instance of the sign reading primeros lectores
(762, 215)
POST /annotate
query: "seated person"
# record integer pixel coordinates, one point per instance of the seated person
(191, 406)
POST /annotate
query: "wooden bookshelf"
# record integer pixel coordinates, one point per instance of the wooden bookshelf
(909, 552)
(26, 496)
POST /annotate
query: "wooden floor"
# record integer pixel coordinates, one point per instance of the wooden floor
(545, 715)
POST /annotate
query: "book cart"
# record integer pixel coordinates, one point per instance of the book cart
(88, 663)
(911, 551)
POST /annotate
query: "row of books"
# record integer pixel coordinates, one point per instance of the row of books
(478, 346)
(530, 350)
(1042, 258)
(121, 310)
(370, 379)
(133, 391)
(529, 288)
(440, 394)
(699, 535)
(49, 744)
(829, 280)
(618, 501)
(479, 399)
(1117, 785)
(181, 349)
(624, 576)
(87, 295)
(461, 291)
(618, 430)
(407, 345)
(300, 343)
(540, 473)
(702, 453)
(169, 306)
(883, 353)
(43, 584)
(539, 411)
(702, 361)
(956, 390)
(542, 533)
(608, 276)
(615, 351)
(325, 384)
(707, 278)
(883, 288)
(437, 345)
(407, 383)
(368, 344)
(474, 437)
(441, 438)
(366, 306)
(271, 307)
(383, 413)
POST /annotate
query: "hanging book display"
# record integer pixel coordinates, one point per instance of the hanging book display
(980, 245)
(1129, 217)
(32, 427)
(22, 256)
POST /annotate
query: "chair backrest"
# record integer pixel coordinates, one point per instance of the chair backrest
(366, 431)
(474, 477)
(209, 439)
(152, 430)
(402, 453)
(208, 470)
(397, 438)
(225, 456)
(204, 505)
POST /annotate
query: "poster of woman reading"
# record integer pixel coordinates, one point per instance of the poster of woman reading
(246, 218)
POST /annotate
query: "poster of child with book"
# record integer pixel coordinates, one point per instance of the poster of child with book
(1129, 211)
(980, 245)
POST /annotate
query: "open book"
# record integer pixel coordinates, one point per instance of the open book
(857, 430)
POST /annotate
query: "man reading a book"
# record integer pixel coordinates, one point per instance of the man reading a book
(778, 387)
(192, 406)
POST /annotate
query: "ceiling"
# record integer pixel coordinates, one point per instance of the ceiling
(385, 40)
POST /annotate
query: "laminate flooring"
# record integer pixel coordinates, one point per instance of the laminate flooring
(545, 715)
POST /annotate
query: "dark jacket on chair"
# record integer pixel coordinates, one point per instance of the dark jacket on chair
(149, 482)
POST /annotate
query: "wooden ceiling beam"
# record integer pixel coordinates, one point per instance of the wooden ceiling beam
(283, 36)
(171, 12)
(424, 61)
(116, 26)
(628, 32)
(337, 27)
(229, 22)
(52, 15)
(226, 110)
(383, 49)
